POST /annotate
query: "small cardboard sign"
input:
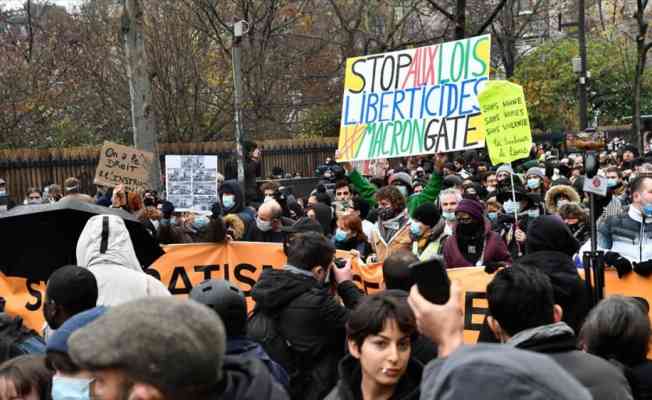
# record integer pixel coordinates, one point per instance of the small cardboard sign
(596, 185)
(123, 165)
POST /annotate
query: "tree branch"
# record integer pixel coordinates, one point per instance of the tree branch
(442, 10)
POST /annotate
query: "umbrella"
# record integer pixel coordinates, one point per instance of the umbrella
(37, 239)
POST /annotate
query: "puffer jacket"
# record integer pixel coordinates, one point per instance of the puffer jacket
(627, 235)
(105, 248)
(603, 380)
(557, 190)
(311, 321)
(349, 385)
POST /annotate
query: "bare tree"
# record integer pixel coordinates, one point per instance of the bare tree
(642, 48)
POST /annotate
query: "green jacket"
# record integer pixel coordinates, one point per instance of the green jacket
(367, 190)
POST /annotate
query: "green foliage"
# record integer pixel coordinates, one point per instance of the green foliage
(550, 84)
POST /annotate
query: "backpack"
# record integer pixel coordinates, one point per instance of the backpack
(266, 330)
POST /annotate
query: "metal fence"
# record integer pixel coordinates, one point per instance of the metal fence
(25, 168)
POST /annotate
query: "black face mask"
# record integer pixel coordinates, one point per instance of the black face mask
(386, 213)
(470, 229)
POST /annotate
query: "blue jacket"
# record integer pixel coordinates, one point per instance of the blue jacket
(243, 347)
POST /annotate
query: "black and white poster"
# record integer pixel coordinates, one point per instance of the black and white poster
(191, 182)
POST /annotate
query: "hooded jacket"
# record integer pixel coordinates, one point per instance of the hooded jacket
(248, 379)
(246, 348)
(349, 385)
(105, 248)
(496, 372)
(556, 191)
(247, 215)
(603, 380)
(311, 322)
(549, 232)
(494, 250)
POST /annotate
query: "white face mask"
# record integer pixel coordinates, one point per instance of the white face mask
(268, 198)
(3, 192)
(264, 226)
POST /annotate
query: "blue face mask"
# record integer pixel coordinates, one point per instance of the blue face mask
(228, 201)
(71, 388)
(200, 222)
(612, 183)
(340, 235)
(533, 213)
(533, 183)
(415, 229)
(492, 216)
(647, 210)
(511, 207)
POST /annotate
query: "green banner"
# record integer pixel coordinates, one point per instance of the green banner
(507, 126)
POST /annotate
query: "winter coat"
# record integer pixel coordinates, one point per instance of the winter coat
(246, 348)
(603, 380)
(434, 245)
(627, 235)
(504, 226)
(248, 379)
(400, 240)
(311, 321)
(497, 372)
(494, 250)
(560, 190)
(640, 378)
(271, 236)
(367, 190)
(105, 248)
(349, 385)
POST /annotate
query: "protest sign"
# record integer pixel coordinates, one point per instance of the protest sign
(184, 266)
(506, 122)
(415, 101)
(191, 182)
(123, 165)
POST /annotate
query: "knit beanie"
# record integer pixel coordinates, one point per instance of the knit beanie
(404, 177)
(472, 207)
(427, 214)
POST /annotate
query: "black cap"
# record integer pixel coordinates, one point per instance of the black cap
(305, 224)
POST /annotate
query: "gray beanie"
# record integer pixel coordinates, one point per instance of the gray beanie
(536, 171)
(163, 341)
(505, 168)
(401, 176)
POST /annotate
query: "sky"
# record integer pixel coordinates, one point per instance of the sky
(12, 4)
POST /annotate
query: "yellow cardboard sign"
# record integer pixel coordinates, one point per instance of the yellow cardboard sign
(506, 122)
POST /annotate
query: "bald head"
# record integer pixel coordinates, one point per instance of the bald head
(270, 210)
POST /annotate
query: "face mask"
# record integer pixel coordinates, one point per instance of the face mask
(228, 201)
(268, 198)
(561, 202)
(3, 193)
(70, 388)
(612, 183)
(263, 225)
(533, 213)
(647, 210)
(415, 230)
(386, 213)
(340, 235)
(491, 189)
(34, 201)
(492, 216)
(448, 215)
(533, 183)
(199, 222)
(403, 190)
(469, 229)
(511, 207)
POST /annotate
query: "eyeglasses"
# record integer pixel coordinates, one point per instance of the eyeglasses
(341, 193)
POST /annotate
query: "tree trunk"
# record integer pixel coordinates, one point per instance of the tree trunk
(460, 20)
(636, 98)
(140, 87)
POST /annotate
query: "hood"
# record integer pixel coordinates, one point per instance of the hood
(499, 372)
(248, 379)
(105, 241)
(554, 192)
(233, 187)
(351, 376)
(549, 232)
(568, 287)
(558, 336)
(276, 288)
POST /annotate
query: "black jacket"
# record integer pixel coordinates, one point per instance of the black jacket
(349, 385)
(248, 379)
(640, 378)
(603, 380)
(246, 214)
(311, 321)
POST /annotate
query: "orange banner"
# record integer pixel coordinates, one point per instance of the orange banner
(184, 266)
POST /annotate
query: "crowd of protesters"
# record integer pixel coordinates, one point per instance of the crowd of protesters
(115, 332)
